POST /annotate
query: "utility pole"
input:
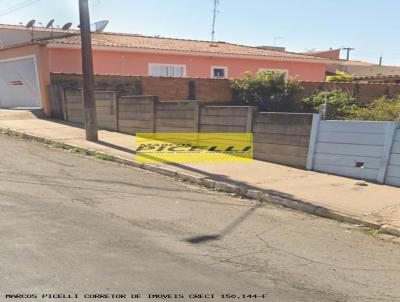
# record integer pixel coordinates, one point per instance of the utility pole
(89, 101)
(348, 49)
(380, 60)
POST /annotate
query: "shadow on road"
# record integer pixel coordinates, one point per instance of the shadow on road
(226, 231)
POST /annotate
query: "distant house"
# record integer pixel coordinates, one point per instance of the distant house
(28, 57)
(359, 70)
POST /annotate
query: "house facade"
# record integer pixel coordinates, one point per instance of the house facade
(32, 61)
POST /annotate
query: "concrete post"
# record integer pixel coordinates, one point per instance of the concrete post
(153, 111)
(116, 111)
(313, 141)
(249, 120)
(196, 118)
(389, 138)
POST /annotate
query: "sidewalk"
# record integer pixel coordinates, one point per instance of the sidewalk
(375, 205)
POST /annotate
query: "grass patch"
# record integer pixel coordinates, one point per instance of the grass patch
(58, 146)
(79, 150)
(373, 232)
(103, 156)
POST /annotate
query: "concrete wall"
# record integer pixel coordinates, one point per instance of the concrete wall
(136, 114)
(278, 137)
(221, 119)
(176, 117)
(105, 108)
(282, 138)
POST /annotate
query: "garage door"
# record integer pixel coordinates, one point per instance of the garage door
(19, 84)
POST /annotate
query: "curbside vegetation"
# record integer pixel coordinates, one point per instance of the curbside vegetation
(241, 191)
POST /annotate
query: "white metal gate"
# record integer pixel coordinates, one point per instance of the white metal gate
(360, 149)
(19, 83)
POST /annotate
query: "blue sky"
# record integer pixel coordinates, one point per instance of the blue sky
(370, 26)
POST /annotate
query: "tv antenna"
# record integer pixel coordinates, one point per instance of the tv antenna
(99, 27)
(50, 24)
(215, 12)
(67, 26)
(30, 24)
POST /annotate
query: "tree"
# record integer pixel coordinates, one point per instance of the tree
(381, 109)
(269, 91)
(338, 102)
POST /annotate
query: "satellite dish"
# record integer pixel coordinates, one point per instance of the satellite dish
(30, 23)
(50, 24)
(99, 27)
(67, 26)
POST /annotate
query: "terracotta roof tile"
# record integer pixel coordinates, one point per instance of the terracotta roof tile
(36, 28)
(168, 44)
(182, 45)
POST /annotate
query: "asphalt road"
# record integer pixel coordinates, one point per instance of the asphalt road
(70, 224)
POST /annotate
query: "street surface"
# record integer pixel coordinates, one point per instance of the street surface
(77, 225)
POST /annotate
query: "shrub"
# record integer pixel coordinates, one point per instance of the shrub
(381, 109)
(340, 76)
(338, 103)
(269, 91)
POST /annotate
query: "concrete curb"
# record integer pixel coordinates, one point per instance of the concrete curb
(244, 191)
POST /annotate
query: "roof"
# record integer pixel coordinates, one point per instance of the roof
(377, 71)
(71, 37)
(36, 28)
(141, 42)
(330, 54)
(378, 77)
(355, 63)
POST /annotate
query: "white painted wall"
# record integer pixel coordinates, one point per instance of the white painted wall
(10, 36)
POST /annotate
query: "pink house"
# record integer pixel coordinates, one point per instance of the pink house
(123, 54)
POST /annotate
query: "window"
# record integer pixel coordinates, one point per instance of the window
(219, 72)
(285, 71)
(167, 70)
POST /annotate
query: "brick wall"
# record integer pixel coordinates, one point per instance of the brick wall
(213, 90)
(167, 89)
(362, 91)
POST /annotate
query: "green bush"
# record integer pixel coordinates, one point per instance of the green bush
(338, 103)
(269, 91)
(380, 110)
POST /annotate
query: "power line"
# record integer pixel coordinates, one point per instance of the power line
(17, 7)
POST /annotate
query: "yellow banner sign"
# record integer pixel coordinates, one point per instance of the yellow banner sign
(194, 147)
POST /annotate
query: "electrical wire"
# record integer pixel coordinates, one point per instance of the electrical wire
(17, 7)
